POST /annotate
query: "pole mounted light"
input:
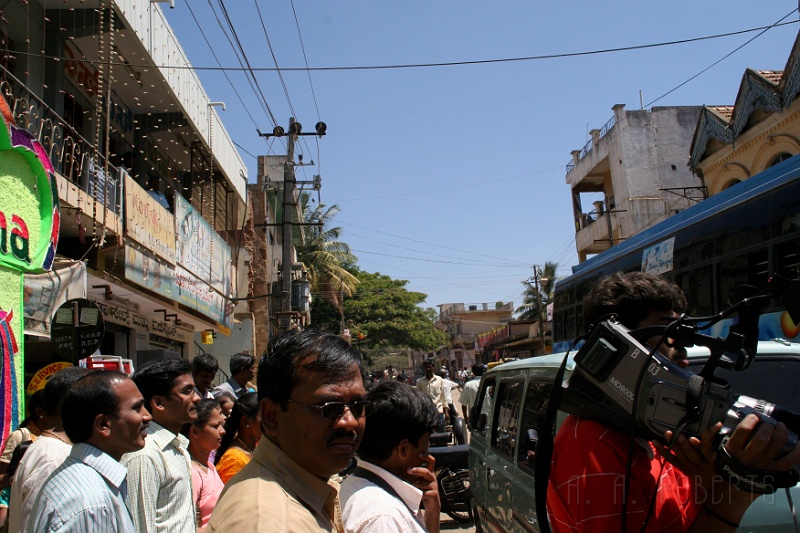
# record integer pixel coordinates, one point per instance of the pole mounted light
(295, 128)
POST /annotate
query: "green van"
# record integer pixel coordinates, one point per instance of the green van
(513, 398)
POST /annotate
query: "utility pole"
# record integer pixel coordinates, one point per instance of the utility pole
(539, 305)
(289, 207)
(285, 316)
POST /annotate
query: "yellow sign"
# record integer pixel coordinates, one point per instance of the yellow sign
(39, 380)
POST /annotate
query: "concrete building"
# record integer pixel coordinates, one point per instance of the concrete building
(463, 323)
(631, 175)
(733, 142)
(152, 189)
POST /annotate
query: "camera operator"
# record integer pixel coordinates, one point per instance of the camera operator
(592, 462)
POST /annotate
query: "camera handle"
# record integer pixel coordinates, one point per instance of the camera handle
(753, 479)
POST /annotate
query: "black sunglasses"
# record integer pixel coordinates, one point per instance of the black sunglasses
(335, 410)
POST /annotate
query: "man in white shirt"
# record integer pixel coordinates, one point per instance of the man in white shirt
(470, 392)
(395, 472)
(448, 395)
(160, 475)
(432, 386)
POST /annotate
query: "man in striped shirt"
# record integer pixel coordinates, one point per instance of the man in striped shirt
(160, 476)
(104, 417)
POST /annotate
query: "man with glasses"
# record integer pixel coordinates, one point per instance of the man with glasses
(312, 401)
(160, 476)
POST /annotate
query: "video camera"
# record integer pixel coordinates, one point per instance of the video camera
(622, 382)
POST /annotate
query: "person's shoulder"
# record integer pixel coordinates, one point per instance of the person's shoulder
(240, 507)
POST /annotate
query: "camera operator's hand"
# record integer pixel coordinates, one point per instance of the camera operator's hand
(425, 480)
(752, 444)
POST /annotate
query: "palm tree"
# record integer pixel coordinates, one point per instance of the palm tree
(324, 256)
(535, 302)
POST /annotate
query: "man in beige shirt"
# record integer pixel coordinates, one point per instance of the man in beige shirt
(312, 403)
(433, 387)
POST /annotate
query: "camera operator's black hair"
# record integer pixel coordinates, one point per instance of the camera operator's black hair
(205, 408)
(157, 378)
(632, 296)
(245, 407)
(240, 361)
(396, 412)
(58, 386)
(88, 397)
(205, 362)
(304, 351)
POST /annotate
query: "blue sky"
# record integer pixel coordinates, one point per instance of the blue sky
(452, 177)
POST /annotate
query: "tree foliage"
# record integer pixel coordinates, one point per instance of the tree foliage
(324, 255)
(384, 312)
(535, 302)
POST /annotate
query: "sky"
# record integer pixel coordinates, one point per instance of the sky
(453, 176)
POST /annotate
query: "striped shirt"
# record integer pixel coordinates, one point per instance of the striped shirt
(160, 483)
(85, 494)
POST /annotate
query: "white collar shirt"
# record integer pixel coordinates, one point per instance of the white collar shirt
(368, 508)
(160, 483)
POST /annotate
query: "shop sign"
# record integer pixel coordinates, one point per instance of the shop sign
(148, 270)
(193, 292)
(147, 222)
(44, 293)
(123, 316)
(200, 249)
(39, 379)
(78, 329)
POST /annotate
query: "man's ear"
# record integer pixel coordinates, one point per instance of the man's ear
(102, 426)
(403, 450)
(157, 403)
(270, 411)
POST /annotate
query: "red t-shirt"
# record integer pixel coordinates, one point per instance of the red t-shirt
(587, 479)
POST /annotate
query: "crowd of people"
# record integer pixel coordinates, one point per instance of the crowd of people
(163, 451)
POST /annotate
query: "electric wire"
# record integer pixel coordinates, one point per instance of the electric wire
(310, 83)
(249, 70)
(252, 69)
(216, 59)
(723, 58)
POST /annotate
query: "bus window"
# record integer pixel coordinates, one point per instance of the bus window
(746, 269)
(787, 259)
(698, 287)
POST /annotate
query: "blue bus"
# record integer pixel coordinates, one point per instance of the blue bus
(741, 236)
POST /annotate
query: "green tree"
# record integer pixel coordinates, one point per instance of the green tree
(384, 312)
(535, 302)
(325, 257)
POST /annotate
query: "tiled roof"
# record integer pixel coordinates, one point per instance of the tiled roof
(772, 76)
(725, 112)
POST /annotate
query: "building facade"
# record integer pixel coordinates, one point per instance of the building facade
(152, 190)
(464, 324)
(732, 143)
(631, 175)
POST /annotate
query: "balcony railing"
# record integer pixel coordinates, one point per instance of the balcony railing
(72, 155)
(590, 144)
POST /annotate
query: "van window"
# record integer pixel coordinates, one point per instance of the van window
(536, 400)
(480, 413)
(504, 431)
